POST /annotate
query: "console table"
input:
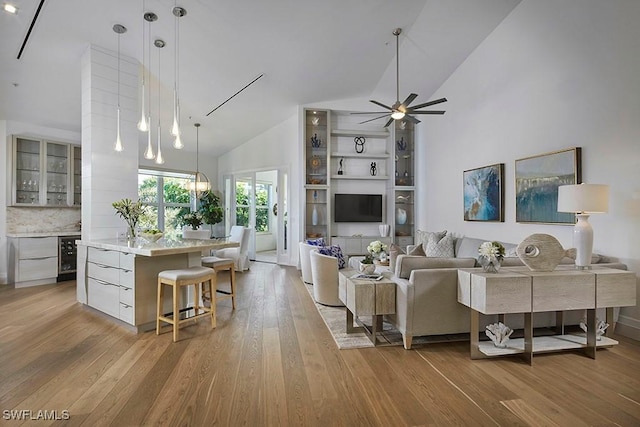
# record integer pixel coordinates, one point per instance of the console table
(519, 290)
(366, 297)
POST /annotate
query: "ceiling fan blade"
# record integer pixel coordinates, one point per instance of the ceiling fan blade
(409, 99)
(411, 119)
(426, 104)
(388, 123)
(376, 118)
(369, 112)
(381, 104)
(428, 112)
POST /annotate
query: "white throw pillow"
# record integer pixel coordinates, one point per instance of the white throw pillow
(422, 237)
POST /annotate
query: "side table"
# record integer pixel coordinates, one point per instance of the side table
(366, 297)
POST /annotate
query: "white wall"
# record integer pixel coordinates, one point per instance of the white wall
(553, 75)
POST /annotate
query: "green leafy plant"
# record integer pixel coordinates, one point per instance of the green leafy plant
(130, 211)
(368, 259)
(210, 208)
(192, 219)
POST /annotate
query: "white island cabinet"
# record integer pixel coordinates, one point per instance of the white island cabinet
(121, 281)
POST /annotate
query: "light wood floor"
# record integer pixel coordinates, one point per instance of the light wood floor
(273, 362)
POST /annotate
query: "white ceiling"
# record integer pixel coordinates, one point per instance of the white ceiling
(309, 51)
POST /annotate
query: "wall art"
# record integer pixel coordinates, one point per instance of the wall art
(484, 193)
(537, 181)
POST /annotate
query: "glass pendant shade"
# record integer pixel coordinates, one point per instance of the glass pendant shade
(177, 143)
(118, 146)
(199, 185)
(159, 158)
(148, 154)
(143, 126)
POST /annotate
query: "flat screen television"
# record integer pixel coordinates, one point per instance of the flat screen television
(357, 208)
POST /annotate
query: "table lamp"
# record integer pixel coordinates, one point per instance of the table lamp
(583, 200)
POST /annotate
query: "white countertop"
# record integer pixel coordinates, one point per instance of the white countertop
(46, 233)
(161, 247)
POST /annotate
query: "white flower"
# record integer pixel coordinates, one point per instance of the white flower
(492, 249)
(376, 247)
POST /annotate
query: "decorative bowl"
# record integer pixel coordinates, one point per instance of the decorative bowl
(151, 237)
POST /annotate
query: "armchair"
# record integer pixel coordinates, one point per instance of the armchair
(324, 269)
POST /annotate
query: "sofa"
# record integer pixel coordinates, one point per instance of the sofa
(427, 291)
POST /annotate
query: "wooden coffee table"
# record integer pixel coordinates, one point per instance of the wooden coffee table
(366, 297)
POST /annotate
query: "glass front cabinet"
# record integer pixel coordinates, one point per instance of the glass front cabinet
(404, 181)
(45, 173)
(316, 159)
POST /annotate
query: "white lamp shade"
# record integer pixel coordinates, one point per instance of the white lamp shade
(584, 198)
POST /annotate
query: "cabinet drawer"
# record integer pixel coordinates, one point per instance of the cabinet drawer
(126, 295)
(104, 297)
(126, 278)
(104, 257)
(126, 313)
(104, 273)
(38, 247)
(127, 261)
(34, 269)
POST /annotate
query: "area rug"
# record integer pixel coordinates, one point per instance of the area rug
(335, 319)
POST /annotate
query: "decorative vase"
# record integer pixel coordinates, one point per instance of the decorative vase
(367, 268)
(384, 230)
(131, 235)
(490, 264)
(401, 216)
(314, 216)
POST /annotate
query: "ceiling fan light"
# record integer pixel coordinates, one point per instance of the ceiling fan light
(397, 115)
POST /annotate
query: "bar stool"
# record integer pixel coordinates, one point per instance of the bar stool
(193, 276)
(222, 264)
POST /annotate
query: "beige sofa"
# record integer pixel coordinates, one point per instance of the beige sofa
(427, 293)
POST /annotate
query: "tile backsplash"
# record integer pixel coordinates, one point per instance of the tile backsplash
(35, 220)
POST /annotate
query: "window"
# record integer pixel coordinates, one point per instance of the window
(164, 192)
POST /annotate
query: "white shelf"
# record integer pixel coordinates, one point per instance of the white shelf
(362, 155)
(377, 177)
(365, 133)
(543, 344)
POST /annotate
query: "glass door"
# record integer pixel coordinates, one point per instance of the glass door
(27, 171)
(57, 161)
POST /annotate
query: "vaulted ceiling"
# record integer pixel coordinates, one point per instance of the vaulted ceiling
(308, 51)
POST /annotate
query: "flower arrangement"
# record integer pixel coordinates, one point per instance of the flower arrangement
(130, 211)
(375, 248)
(192, 219)
(368, 259)
(492, 249)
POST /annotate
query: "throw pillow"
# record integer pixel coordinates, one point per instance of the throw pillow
(439, 246)
(417, 251)
(316, 242)
(424, 236)
(334, 251)
(394, 251)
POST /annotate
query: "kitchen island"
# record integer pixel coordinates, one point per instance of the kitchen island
(121, 280)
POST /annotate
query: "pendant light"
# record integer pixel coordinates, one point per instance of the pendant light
(178, 12)
(201, 182)
(119, 29)
(143, 126)
(159, 43)
(149, 17)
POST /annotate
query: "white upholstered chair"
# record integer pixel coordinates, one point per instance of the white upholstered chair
(324, 269)
(240, 255)
(305, 262)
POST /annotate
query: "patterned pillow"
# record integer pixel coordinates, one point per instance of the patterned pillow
(334, 251)
(439, 246)
(316, 242)
(424, 236)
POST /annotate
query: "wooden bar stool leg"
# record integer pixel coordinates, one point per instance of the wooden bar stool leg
(159, 307)
(233, 286)
(176, 312)
(212, 285)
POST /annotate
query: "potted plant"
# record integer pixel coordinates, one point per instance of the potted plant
(491, 255)
(210, 208)
(366, 265)
(131, 212)
(377, 249)
(192, 219)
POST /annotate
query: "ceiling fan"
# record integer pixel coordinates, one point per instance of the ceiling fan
(402, 111)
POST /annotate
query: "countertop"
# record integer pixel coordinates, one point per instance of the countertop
(71, 233)
(161, 247)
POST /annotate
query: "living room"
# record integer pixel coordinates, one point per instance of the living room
(550, 76)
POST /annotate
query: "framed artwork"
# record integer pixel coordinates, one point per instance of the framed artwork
(537, 182)
(484, 193)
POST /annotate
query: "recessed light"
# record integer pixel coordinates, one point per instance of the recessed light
(9, 8)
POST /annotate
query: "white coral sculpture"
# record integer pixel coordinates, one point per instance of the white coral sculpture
(601, 327)
(499, 334)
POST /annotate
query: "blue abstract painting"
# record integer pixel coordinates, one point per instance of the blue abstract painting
(484, 193)
(537, 182)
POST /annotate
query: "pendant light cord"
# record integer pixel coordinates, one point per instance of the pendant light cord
(397, 66)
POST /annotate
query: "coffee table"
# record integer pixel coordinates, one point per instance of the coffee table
(366, 297)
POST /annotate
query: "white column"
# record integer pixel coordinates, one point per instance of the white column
(107, 175)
